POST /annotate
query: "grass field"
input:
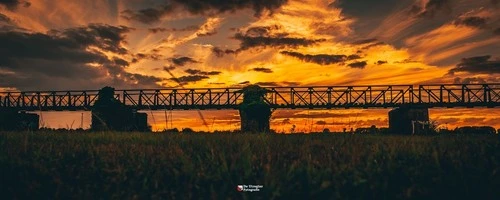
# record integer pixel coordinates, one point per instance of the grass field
(177, 166)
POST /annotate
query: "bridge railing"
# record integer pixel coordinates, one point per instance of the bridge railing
(447, 95)
(340, 96)
(49, 100)
(218, 98)
(468, 95)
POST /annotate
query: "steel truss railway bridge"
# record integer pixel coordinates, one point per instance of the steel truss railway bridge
(311, 97)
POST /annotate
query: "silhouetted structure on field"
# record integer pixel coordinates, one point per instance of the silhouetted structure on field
(110, 114)
(409, 116)
(254, 111)
(406, 120)
(14, 120)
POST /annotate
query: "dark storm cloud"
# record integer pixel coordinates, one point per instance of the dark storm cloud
(469, 80)
(479, 64)
(197, 7)
(432, 7)
(251, 42)
(168, 68)
(322, 59)
(189, 79)
(361, 64)
(268, 84)
(263, 31)
(14, 4)
(104, 36)
(203, 73)
(474, 22)
(181, 61)
(148, 15)
(261, 36)
(265, 36)
(262, 69)
(365, 41)
(7, 24)
(62, 59)
(209, 33)
(159, 30)
(353, 57)
(220, 52)
(364, 7)
(5, 19)
(496, 31)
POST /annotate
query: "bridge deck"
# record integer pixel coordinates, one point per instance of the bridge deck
(313, 97)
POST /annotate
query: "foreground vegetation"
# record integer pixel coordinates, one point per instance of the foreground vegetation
(49, 165)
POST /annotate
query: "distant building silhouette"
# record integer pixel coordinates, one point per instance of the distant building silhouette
(405, 120)
(110, 114)
(14, 120)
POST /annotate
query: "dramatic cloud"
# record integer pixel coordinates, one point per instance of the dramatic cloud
(13, 4)
(268, 84)
(199, 72)
(322, 59)
(365, 41)
(381, 62)
(470, 80)
(496, 31)
(182, 61)
(169, 68)
(220, 53)
(189, 79)
(479, 64)
(5, 19)
(249, 40)
(159, 30)
(432, 8)
(69, 59)
(6, 24)
(262, 69)
(475, 22)
(197, 7)
(105, 37)
(361, 64)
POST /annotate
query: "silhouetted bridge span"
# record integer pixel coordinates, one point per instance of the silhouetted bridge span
(313, 97)
(117, 109)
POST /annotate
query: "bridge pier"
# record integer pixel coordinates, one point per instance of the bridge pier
(254, 111)
(109, 114)
(406, 120)
(15, 120)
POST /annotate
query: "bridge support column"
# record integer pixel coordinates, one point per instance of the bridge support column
(15, 120)
(254, 111)
(109, 114)
(405, 120)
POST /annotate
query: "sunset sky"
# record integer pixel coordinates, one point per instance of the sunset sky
(89, 44)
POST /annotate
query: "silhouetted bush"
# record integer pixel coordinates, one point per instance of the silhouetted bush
(475, 130)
